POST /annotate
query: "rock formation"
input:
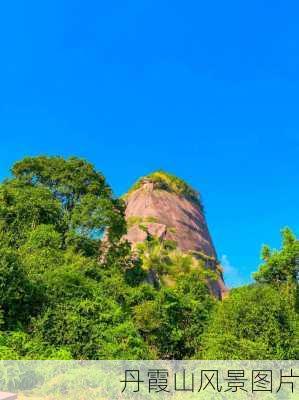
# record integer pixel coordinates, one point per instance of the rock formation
(171, 210)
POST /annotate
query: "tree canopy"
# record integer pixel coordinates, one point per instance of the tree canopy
(260, 321)
(72, 287)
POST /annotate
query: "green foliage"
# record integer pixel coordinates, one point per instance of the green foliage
(155, 255)
(53, 289)
(254, 322)
(19, 298)
(164, 181)
(70, 286)
(84, 197)
(123, 342)
(280, 266)
(68, 180)
(23, 208)
(42, 250)
(90, 319)
(173, 322)
(19, 345)
(137, 220)
(168, 265)
(260, 321)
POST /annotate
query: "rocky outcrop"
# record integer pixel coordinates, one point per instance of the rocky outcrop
(164, 212)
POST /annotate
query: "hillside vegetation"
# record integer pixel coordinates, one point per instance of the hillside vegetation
(72, 288)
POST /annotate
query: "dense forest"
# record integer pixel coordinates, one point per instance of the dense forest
(72, 288)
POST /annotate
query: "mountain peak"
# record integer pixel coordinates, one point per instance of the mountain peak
(162, 180)
(166, 207)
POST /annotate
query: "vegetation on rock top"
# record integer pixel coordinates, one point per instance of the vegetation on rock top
(165, 181)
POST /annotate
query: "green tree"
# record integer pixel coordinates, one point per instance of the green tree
(23, 208)
(173, 321)
(56, 292)
(70, 287)
(18, 345)
(19, 298)
(260, 321)
(42, 251)
(280, 266)
(254, 322)
(86, 200)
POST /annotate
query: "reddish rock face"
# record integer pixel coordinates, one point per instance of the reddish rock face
(8, 396)
(174, 217)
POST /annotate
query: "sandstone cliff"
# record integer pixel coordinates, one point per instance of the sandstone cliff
(166, 207)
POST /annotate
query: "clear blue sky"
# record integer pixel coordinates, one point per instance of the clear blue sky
(206, 90)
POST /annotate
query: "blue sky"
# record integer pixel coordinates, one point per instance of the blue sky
(205, 90)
